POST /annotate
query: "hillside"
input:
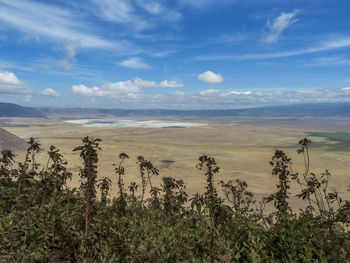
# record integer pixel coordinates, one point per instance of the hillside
(14, 110)
(294, 110)
(11, 142)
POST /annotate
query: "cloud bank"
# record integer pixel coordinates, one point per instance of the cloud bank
(129, 88)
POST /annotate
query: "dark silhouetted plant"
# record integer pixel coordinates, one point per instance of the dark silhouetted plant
(6, 162)
(133, 188)
(146, 168)
(281, 168)
(35, 228)
(315, 188)
(88, 175)
(104, 184)
(54, 177)
(33, 149)
(208, 165)
(174, 194)
(120, 171)
(237, 194)
(26, 176)
(198, 202)
(154, 200)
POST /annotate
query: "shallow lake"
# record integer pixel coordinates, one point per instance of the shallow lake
(134, 123)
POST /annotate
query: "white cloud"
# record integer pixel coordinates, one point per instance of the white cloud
(111, 90)
(145, 83)
(240, 92)
(157, 9)
(135, 63)
(281, 23)
(152, 84)
(56, 23)
(151, 7)
(231, 99)
(157, 37)
(325, 46)
(209, 92)
(129, 88)
(9, 83)
(50, 93)
(27, 98)
(213, 92)
(161, 54)
(29, 37)
(116, 89)
(123, 89)
(208, 99)
(119, 11)
(84, 91)
(71, 51)
(346, 89)
(210, 77)
(126, 12)
(170, 84)
(329, 61)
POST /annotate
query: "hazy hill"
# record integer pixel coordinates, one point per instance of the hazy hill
(11, 142)
(14, 110)
(296, 110)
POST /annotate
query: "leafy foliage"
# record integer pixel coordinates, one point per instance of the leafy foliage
(43, 220)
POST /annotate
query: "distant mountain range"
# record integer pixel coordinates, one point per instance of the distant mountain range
(295, 110)
(14, 110)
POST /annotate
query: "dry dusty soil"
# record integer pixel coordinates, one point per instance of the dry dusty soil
(242, 148)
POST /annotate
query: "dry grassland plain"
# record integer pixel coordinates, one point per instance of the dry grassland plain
(242, 148)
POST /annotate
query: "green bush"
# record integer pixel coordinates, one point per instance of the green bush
(43, 220)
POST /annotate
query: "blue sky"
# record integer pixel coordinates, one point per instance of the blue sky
(179, 54)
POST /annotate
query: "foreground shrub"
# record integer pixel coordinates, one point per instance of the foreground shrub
(43, 220)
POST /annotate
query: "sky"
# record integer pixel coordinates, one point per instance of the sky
(178, 54)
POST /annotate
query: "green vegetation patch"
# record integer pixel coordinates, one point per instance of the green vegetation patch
(43, 220)
(336, 141)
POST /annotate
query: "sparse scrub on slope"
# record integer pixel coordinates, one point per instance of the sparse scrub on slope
(43, 220)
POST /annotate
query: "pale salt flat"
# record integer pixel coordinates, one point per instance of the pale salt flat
(133, 123)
